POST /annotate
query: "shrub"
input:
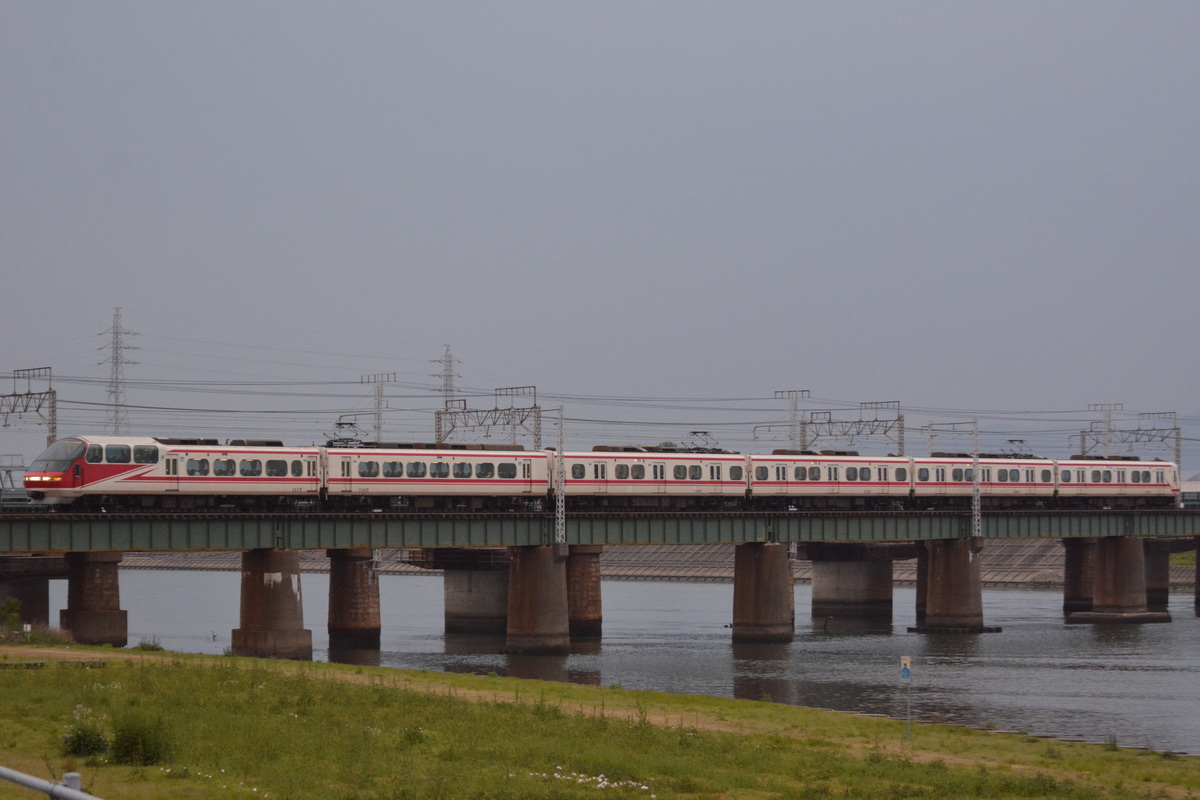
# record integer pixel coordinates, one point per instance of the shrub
(86, 739)
(139, 741)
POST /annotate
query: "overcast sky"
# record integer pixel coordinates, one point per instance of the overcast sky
(656, 212)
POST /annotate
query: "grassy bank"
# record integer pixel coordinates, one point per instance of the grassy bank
(226, 727)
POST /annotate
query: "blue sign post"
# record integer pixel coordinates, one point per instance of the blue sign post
(906, 679)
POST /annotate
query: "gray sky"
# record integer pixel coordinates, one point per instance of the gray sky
(981, 210)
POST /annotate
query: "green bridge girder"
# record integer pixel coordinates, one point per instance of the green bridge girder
(37, 533)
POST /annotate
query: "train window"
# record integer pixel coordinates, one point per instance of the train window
(621, 472)
(736, 473)
(95, 454)
(1158, 473)
(1120, 476)
(117, 453)
(1014, 476)
(507, 471)
(969, 474)
(851, 473)
(600, 471)
(1137, 476)
(485, 470)
(368, 469)
(680, 472)
(1106, 476)
(249, 468)
(660, 471)
(695, 472)
(1002, 475)
(902, 474)
(391, 469)
(939, 474)
(833, 473)
(883, 474)
(416, 469)
(714, 472)
(577, 471)
(224, 467)
(197, 466)
(1095, 476)
(462, 469)
(1046, 476)
(760, 473)
(985, 475)
(1029, 476)
(1079, 475)
(1065, 477)
(145, 454)
(814, 473)
(439, 469)
(864, 474)
(923, 474)
(801, 473)
(277, 468)
(638, 472)
(298, 468)
(956, 474)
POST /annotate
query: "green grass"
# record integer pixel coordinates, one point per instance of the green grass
(245, 728)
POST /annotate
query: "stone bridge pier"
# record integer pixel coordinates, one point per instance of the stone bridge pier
(354, 620)
(272, 610)
(1119, 584)
(950, 588)
(93, 614)
(764, 599)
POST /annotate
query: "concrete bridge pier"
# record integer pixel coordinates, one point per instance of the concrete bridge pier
(93, 614)
(764, 600)
(1120, 584)
(850, 581)
(474, 589)
(537, 600)
(922, 586)
(585, 611)
(354, 621)
(953, 588)
(272, 612)
(1158, 575)
(1079, 574)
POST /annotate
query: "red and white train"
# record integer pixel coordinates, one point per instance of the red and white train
(94, 472)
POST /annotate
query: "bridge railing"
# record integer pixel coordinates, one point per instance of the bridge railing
(69, 789)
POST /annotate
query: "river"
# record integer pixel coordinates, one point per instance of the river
(1137, 685)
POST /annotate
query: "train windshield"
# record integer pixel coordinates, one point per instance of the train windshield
(59, 456)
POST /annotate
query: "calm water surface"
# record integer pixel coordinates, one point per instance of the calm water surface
(1140, 684)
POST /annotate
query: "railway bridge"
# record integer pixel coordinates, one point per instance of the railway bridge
(507, 573)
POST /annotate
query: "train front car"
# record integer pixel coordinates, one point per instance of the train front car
(55, 477)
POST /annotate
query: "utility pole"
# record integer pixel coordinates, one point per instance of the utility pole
(118, 415)
(797, 425)
(379, 379)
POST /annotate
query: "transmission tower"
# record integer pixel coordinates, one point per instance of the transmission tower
(379, 379)
(447, 375)
(118, 416)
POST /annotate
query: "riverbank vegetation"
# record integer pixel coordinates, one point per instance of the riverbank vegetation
(144, 724)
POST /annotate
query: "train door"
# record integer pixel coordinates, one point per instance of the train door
(600, 476)
(658, 477)
(525, 470)
(343, 478)
(171, 465)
